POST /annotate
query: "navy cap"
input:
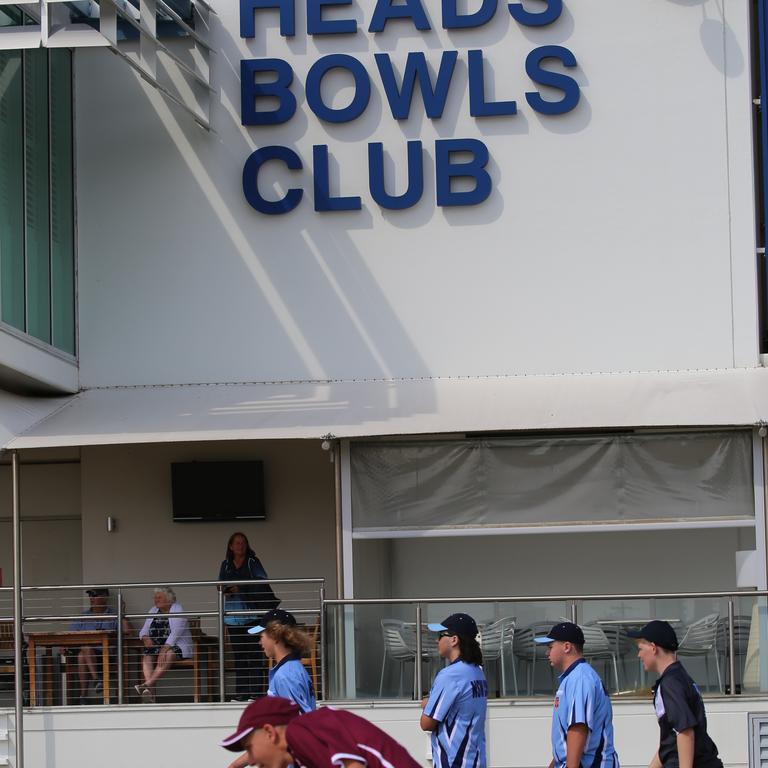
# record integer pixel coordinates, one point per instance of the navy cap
(458, 624)
(97, 592)
(565, 632)
(276, 614)
(658, 632)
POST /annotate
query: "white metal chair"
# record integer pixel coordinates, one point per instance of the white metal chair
(741, 628)
(496, 641)
(396, 648)
(700, 639)
(530, 652)
(598, 646)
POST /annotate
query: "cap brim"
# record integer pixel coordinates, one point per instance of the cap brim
(636, 635)
(437, 628)
(232, 743)
(255, 630)
(543, 640)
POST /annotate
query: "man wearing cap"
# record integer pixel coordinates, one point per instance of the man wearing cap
(274, 735)
(683, 741)
(582, 717)
(97, 617)
(455, 710)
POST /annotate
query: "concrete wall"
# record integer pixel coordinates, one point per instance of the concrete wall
(133, 484)
(50, 512)
(186, 736)
(585, 257)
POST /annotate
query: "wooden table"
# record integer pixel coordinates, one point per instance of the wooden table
(66, 639)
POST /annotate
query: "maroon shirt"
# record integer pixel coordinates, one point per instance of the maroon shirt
(325, 737)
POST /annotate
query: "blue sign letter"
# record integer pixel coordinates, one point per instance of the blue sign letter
(478, 106)
(287, 16)
(280, 88)
(416, 67)
(567, 85)
(452, 19)
(376, 184)
(445, 170)
(316, 25)
(323, 199)
(547, 16)
(384, 11)
(362, 88)
(251, 180)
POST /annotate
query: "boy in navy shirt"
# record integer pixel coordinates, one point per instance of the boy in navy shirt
(683, 739)
(582, 718)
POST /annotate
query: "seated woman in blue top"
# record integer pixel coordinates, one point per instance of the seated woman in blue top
(166, 639)
(456, 707)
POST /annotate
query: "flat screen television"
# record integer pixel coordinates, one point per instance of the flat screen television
(217, 490)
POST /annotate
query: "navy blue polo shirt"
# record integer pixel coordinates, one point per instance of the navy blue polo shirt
(679, 706)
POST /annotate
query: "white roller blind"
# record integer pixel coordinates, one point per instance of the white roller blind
(401, 485)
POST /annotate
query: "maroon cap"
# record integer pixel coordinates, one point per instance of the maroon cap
(268, 710)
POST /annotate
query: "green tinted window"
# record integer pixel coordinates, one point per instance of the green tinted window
(11, 190)
(36, 196)
(37, 238)
(62, 208)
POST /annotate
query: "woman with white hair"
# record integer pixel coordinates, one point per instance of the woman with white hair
(166, 639)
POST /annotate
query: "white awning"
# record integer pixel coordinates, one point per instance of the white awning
(149, 414)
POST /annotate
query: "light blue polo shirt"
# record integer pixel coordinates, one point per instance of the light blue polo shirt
(458, 700)
(290, 680)
(581, 698)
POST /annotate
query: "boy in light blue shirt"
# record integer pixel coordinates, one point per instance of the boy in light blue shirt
(456, 707)
(582, 717)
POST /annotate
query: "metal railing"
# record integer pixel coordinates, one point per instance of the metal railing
(331, 621)
(573, 612)
(310, 604)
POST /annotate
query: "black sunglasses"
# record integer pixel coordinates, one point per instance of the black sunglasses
(445, 634)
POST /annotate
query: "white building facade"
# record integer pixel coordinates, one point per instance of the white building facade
(503, 262)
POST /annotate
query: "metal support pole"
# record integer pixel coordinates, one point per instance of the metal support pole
(120, 675)
(322, 692)
(222, 630)
(18, 647)
(417, 665)
(574, 612)
(731, 648)
(339, 534)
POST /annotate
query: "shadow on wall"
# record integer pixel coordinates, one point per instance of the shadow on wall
(717, 37)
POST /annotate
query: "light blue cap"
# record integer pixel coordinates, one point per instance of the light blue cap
(543, 640)
(437, 628)
(255, 630)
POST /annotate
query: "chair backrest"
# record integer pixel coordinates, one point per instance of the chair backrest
(6, 635)
(525, 647)
(595, 640)
(6, 646)
(700, 635)
(395, 645)
(741, 628)
(495, 636)
(194, 627)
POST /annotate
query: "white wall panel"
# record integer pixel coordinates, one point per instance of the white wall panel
(609, 243)
(518, 734)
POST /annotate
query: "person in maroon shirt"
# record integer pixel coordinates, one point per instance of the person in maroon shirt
(274, 735)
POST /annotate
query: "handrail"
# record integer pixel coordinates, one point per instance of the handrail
(546, 598)
(220, 612)
(155, 584)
